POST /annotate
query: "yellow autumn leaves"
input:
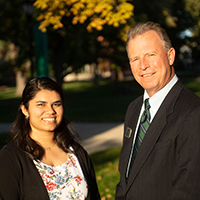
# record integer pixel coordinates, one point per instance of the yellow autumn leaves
(99, 12)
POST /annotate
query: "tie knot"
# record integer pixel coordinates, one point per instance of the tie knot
(146, 104)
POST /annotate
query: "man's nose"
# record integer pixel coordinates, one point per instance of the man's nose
(144, 64)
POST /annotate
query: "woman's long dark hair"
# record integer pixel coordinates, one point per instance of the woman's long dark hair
(21, 128)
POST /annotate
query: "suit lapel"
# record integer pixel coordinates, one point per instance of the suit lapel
(154, 131)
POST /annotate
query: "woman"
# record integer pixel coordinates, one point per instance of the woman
(44, 160)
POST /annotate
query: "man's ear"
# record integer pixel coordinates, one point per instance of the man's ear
(171, 56)
(24, 110)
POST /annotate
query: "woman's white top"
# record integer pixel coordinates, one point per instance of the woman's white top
(65, 181)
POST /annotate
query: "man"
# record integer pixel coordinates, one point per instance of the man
(160, 157)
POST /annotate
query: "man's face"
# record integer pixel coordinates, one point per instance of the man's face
(150, 62)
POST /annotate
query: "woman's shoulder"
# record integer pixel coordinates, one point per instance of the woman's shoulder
(11, 147)
(82, 155)
(78, 148)
(11, 152)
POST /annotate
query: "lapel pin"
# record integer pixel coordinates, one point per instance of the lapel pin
(128, 132)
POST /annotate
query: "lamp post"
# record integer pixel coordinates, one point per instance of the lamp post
(29, 10)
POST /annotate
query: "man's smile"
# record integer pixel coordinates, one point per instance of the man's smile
(147, 75)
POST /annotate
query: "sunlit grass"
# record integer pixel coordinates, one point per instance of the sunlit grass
(106, 168)
(194, 86)
(77, 86)
(7, 93)
(82, 86)
(197, 93)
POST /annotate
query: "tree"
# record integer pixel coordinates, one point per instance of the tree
(13, 32)
(193, 7)
(176, 16)
(69, 19)
(100, 12)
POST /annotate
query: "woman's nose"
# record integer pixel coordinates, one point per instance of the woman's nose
(51, 110)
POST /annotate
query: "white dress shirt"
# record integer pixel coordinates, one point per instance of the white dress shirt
(156, 100)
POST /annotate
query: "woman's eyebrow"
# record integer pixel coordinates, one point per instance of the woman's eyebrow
(40, 101)
(59, 101)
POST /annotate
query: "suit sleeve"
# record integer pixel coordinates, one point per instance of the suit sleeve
(186, 175)
(119, 195)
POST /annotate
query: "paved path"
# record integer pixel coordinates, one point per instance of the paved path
(95, 136)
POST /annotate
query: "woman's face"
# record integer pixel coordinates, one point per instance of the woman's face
(45, 111)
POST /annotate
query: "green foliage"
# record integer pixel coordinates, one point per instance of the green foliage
(173, 15)
(73, 46)
(13, 30)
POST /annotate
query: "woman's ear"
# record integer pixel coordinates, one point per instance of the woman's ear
(24, 110)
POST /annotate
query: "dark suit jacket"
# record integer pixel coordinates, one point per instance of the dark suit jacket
(167, 166)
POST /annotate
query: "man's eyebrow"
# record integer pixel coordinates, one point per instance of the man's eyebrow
(134, 57)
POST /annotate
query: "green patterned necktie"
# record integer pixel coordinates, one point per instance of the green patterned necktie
(142, 129)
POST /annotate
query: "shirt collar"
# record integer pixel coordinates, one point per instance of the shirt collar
(157, 99)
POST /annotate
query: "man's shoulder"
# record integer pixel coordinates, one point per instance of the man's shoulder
(191, 94)
(134, 108)
(136, 102)
(180, 93)
(189, 98)
(181, 99)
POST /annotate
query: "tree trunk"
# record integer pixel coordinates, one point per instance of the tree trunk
(20, 82)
